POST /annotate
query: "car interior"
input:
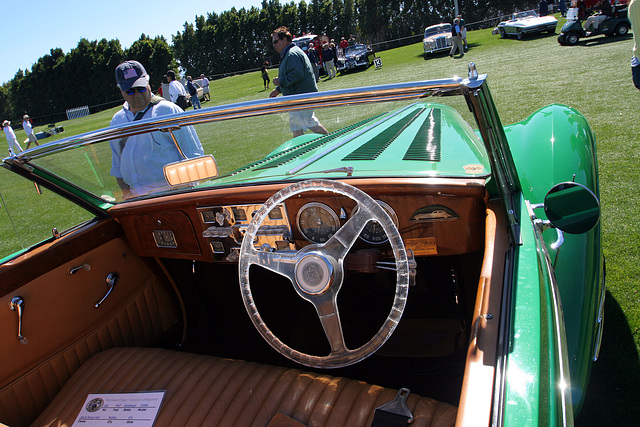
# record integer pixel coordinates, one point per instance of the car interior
(191, 294)
(182, 298)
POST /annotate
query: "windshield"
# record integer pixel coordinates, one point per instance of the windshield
(262, 148)
(351, 50)
(431, 31)
(524, 15)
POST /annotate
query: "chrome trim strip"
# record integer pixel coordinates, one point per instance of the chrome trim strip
(560, 336)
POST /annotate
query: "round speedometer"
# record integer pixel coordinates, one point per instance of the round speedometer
(317, 222)
(373, 232)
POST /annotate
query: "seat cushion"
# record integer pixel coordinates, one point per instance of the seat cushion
(211, 391)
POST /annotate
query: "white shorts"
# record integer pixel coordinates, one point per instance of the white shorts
(302, 120)
(205, 89)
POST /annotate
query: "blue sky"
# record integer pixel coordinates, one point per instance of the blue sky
(30, 29)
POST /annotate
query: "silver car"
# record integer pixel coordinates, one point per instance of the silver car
(522, 24)
(437, 38)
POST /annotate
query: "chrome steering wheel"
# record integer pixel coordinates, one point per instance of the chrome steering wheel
(317, 271)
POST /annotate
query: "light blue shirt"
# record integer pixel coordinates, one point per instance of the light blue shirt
(139, 163)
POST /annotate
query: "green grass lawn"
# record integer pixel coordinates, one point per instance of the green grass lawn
(595, 78)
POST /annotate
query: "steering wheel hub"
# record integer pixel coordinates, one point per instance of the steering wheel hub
(313, 274)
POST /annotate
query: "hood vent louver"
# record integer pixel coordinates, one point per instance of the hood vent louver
(299, 150)
(371, 149)
(426, 145)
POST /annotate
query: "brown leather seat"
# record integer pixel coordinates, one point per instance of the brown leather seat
(204, 390)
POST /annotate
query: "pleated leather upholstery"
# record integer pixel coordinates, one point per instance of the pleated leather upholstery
(139, 322)
(210, 391)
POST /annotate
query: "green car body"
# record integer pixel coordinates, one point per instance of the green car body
(551, 306)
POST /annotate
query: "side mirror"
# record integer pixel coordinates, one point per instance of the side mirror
(572, 207)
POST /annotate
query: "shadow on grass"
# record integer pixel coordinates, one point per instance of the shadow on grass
(445, 53)
(531, 36)
(614, 386)
(601, 40)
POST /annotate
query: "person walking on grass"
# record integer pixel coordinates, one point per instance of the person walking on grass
(295, 76)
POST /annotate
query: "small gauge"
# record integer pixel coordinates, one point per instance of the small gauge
(373, 232)
(317, 222)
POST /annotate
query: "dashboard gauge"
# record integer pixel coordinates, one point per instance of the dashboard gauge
(317, 222)
(373, 232)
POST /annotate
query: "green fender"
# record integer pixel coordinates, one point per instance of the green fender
(553, 145)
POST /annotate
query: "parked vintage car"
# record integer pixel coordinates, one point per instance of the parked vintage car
(355, 56)
(404, 266)
(303, 41)
(437, 38)
(525, 23)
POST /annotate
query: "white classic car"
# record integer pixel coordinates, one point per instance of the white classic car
(437, 38)
(522, 24)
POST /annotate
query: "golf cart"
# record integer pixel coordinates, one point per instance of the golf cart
(591, 19)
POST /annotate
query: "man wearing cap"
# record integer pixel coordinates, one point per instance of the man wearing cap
(28, 128)
(137, 161)
(14, 147)
(177, 92)
(295, 76)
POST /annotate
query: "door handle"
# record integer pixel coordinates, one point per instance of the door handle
(112, 280)
(17, 305)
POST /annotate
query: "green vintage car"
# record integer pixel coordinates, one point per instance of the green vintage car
(419, 263)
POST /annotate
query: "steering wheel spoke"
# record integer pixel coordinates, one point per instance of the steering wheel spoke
(282, 263)
(342, 240)
(330, 320)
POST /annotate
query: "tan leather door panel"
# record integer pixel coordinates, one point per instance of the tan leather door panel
(60, 322)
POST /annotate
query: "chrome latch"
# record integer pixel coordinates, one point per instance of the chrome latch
(17, 305)
(112, 280)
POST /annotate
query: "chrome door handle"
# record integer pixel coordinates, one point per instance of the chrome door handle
(17, 305)
(112, 280)
(84, 266)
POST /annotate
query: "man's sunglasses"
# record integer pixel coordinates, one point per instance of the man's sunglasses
(134, 89)
(275, 41)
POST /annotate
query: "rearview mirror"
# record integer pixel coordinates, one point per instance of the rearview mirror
(191, 170)
(572, 207)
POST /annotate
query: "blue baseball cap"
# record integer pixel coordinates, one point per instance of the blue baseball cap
(131, 74)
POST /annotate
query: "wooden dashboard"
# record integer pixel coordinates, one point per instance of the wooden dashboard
(434, 216)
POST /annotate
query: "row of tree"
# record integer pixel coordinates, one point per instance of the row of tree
(232, 41)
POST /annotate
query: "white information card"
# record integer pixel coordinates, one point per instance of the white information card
(120, 409)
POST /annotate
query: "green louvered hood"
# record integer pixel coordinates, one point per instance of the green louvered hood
(420, 140)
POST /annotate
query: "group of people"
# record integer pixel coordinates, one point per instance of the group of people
(329, 57)
(178, 93)
(12, 140)
(459, 37)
